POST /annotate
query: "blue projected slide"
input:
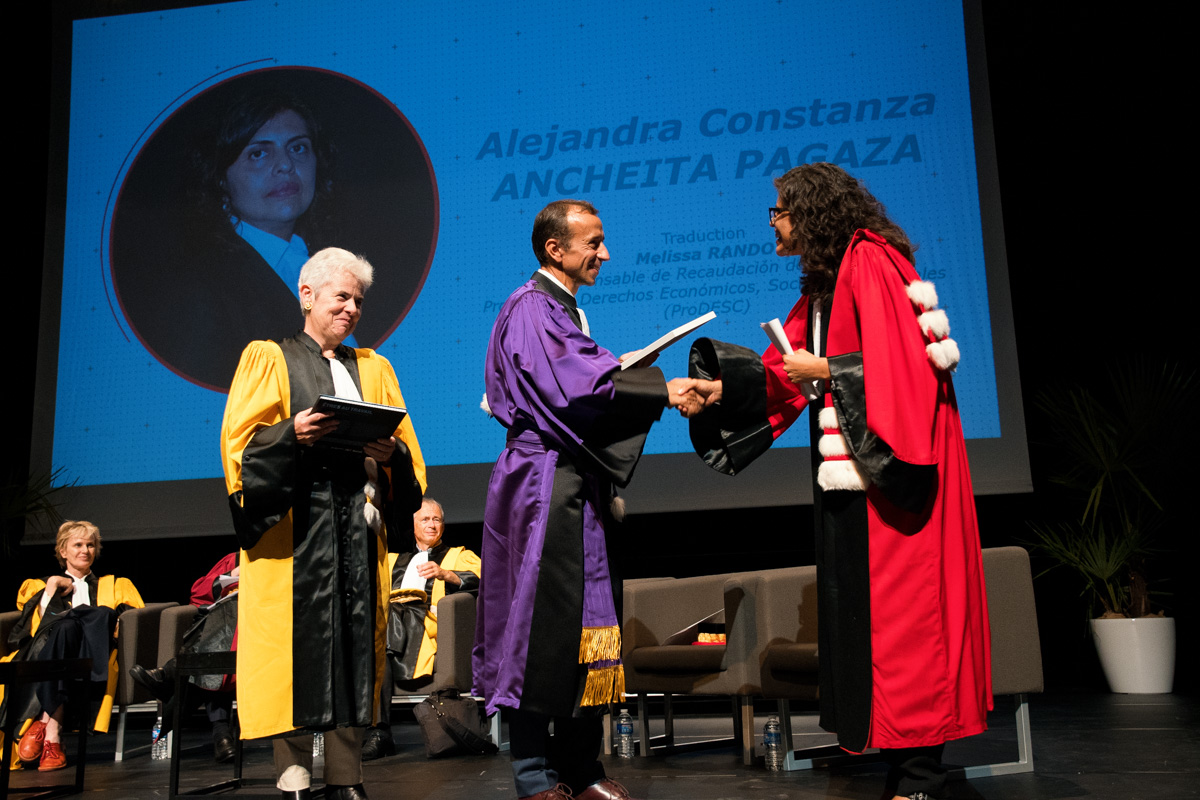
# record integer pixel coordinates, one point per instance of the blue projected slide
(445, 131)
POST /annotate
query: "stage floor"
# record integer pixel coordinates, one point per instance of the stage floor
(1084, 746)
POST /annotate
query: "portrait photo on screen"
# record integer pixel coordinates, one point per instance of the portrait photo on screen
(230, 195)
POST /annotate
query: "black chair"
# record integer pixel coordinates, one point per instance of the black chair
(76, 672)
(186, 666)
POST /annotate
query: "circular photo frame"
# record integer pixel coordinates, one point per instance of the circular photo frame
(195, 289)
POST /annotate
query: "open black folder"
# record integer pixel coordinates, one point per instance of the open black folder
(358, 422)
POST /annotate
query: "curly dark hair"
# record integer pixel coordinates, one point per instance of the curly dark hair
(219, 147)
(827, 205)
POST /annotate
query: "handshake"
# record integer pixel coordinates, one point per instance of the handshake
(692, 395)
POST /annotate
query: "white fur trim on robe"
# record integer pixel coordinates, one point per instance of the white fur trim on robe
(832, 445)
(923, 293)
(935, 322)
(944, 354)
(840, 475)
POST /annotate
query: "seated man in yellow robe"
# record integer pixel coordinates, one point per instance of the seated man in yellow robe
(420, 578)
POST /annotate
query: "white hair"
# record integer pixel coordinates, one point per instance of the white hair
(431, 501)
(327, 264)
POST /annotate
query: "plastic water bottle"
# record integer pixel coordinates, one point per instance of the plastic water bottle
(772, 744)
(318, 744)
(158, 744)
(625, 735)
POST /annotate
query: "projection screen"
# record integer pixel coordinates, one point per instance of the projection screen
(447, 129)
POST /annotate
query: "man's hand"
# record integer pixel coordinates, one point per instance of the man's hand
(648, 361)
(311, 426)
(681, 394)
(433, 570)
(696, 394)
(803, 366)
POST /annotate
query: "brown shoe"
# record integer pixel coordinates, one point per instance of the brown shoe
(606, 789)
(30, 746)
(560, 792)
(53, 757)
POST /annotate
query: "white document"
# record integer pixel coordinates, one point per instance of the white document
(666, 340)
(774, 331)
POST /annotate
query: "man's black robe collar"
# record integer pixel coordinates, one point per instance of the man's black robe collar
(564, 298)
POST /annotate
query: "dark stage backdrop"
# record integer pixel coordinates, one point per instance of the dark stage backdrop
(449, 133)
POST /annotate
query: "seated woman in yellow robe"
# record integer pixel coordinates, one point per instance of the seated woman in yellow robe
(69, 615)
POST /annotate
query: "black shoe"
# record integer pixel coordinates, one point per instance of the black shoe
(299, 794)
(355, 792)
(378, 743)
(159, 682)
(224, 746)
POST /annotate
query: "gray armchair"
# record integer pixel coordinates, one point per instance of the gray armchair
(661, 619)
(1016, 649)
(455, 638)
(137, 643)
(788, 628)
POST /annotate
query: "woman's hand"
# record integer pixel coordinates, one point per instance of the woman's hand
(381, 449)
(59, 584)
(709, 391)
(803, 366)
(311, 426)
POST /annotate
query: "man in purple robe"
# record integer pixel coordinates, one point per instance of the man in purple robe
(547, 641)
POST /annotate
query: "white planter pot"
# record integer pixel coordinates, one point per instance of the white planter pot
(1138, 655)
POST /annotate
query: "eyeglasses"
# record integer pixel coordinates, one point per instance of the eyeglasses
(775, 212)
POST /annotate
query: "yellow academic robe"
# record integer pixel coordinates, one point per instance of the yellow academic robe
(111, 592)
(296, 559)
(457, 559)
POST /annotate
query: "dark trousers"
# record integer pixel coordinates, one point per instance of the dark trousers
(84, 632)
(916, 769)
(541, 761)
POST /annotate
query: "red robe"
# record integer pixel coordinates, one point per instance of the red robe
(903, 633)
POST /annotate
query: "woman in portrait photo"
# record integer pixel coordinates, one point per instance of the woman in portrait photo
(230, 195)
(258, 189)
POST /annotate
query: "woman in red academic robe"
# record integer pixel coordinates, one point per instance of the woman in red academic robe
(903, 632)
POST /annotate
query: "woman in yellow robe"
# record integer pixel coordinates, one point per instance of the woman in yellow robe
(309, 518)
(71, 615)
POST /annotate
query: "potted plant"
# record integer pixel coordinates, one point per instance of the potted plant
(1109, 446)
(25, 500)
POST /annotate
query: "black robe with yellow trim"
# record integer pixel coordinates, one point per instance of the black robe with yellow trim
(418, 661)
(109, 591)
(314, 578)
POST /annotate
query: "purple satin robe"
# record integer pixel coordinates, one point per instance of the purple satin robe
(576, 426)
